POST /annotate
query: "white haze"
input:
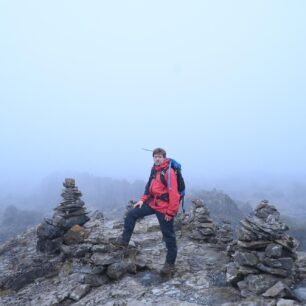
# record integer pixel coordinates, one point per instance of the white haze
(220, 85)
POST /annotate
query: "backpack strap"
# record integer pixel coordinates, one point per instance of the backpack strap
(164, 197)
(162, 177)
(169, 176)
(164, 181)
(182, 201)
(153, 176)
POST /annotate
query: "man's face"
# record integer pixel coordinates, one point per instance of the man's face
(158, 159)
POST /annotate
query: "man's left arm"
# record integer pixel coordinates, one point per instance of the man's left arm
(174, 197)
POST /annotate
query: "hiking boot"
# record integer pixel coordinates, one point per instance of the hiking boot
(167, 270)
(119, 242)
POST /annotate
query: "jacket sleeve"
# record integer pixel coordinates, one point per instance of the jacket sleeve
(146, 194)
(145, 197)
(174, 196)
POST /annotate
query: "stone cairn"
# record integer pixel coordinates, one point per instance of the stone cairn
(200, 225)
(224, 233)
(129, 206)
(264, 255)
(69, 213)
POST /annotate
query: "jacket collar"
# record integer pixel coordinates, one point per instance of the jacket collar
(162, 166)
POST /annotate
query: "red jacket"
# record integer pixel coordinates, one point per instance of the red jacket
(157, 188)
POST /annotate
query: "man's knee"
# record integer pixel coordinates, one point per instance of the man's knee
(132, 214)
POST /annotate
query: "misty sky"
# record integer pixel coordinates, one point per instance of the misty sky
(86, 84)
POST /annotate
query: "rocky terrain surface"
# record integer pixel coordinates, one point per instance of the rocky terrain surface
(89, 269)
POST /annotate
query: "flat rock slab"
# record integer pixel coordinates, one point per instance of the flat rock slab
(79, 291)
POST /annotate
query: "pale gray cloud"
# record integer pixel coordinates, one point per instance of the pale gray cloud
(84, 86)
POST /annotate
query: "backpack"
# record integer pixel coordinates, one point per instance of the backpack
(180, 180)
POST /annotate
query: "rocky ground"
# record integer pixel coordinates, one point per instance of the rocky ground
(90, 270)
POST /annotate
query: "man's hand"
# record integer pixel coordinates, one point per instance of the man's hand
(138, 204)
(168, 218)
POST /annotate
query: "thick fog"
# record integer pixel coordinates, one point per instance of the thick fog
(220, 85)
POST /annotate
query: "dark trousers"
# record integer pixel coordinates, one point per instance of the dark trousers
(166, 227)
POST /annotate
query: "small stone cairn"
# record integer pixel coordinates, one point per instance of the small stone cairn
(118, 224)
(69, 213)
(264, 255)
(71, 210)
(200, 225)
(224, 233)
(129, 206)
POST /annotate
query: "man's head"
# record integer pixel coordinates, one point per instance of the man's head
(159, 156)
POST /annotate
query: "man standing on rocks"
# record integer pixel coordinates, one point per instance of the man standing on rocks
(161, 198)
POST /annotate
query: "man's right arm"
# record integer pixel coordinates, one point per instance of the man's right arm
(146, 195)
(143, 199)
(138, 204)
